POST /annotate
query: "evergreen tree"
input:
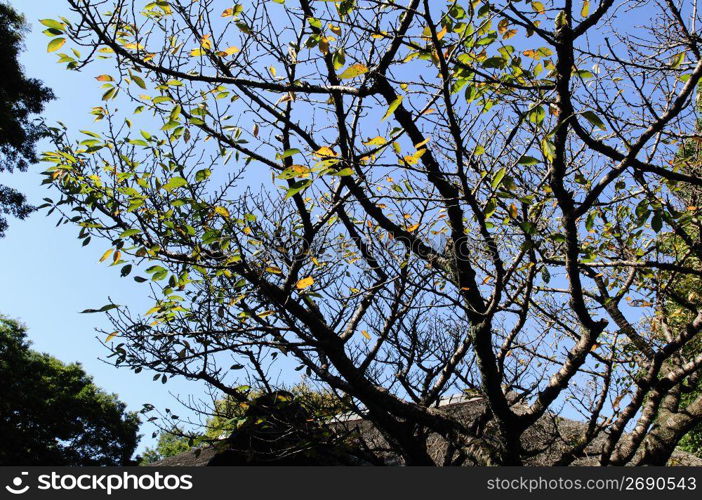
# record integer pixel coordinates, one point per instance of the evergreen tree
(20, 99)
(52, 413)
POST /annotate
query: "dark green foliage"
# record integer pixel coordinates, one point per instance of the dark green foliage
(52, 413)
(20, 99)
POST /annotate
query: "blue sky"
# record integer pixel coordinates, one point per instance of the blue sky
(47, 277)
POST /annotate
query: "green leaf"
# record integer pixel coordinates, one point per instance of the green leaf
(344, 172)
(287, 154)
(202, 175)
(594, 119)
(528, 160)
(677, 60)
(111, 93)
(497, 178)
(175, 113)
(494, 62)
(537, 115)
(174, 183)
(393, 106)
(139, 81)
(155, 269)
(128, 233)
(51, 23)
(55, 44)
(590, 221)
(548, 149)
(657, 223)
(297, 187)
(108, 307)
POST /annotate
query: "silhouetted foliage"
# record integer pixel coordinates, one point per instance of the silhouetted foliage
(20, 99)
(52, 413)
(277, 426)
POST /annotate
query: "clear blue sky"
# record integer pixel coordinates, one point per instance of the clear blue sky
(46, 276)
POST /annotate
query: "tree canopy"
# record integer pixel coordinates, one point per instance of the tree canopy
(403, 200)
(52, 413)
(20, 99)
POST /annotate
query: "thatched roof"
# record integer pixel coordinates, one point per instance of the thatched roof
(545, 441)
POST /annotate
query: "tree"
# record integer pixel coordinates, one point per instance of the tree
(20, 99)
(52, 413)
(405, 199)
(686, 290)
(168, 445)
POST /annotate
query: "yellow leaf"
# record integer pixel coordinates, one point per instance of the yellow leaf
(274, 270)
(324, 45)
(230, 51)
(198, 52)
(104, 78)
(335, 29)
(325, 151)
(376, 141)
(153, 310)
(353, 71)
(423, 143)
(413, 228)
(441, 34)
(111, 336)
(585, 11)
(106, 255)
(538, 7)
(222, 211)
(366, 334)
(305, 283)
